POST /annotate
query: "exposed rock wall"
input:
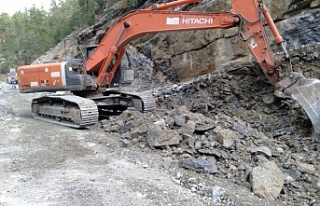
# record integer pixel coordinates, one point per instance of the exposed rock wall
(198, 52)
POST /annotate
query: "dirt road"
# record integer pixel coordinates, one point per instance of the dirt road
(45, 164)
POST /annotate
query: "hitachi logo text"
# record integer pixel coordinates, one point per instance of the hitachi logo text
(197, 21)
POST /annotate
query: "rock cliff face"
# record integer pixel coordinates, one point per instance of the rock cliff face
(198, 52)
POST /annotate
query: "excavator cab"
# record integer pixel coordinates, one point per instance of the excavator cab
(124, 75)
(90, 49)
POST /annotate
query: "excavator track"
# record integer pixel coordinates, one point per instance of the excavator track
(146, 99)
(67, 110)
(114, 102)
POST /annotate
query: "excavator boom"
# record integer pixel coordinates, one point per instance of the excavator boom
(246, 15)
(143, 22)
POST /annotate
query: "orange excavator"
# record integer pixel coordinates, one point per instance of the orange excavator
(89, 82)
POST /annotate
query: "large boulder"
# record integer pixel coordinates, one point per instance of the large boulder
(158, 136)
(267, 180)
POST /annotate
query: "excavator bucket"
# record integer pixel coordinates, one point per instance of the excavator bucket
(308, 96)
(307, 93)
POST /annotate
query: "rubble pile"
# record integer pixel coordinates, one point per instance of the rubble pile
(231, 126)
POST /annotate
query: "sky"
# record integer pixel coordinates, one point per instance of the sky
(14, 6)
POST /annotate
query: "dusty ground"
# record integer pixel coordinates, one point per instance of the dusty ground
(46, 164)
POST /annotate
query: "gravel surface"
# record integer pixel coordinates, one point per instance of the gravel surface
(47, 164)
(221, 140)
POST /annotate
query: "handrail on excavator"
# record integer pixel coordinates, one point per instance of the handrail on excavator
(165, 6)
